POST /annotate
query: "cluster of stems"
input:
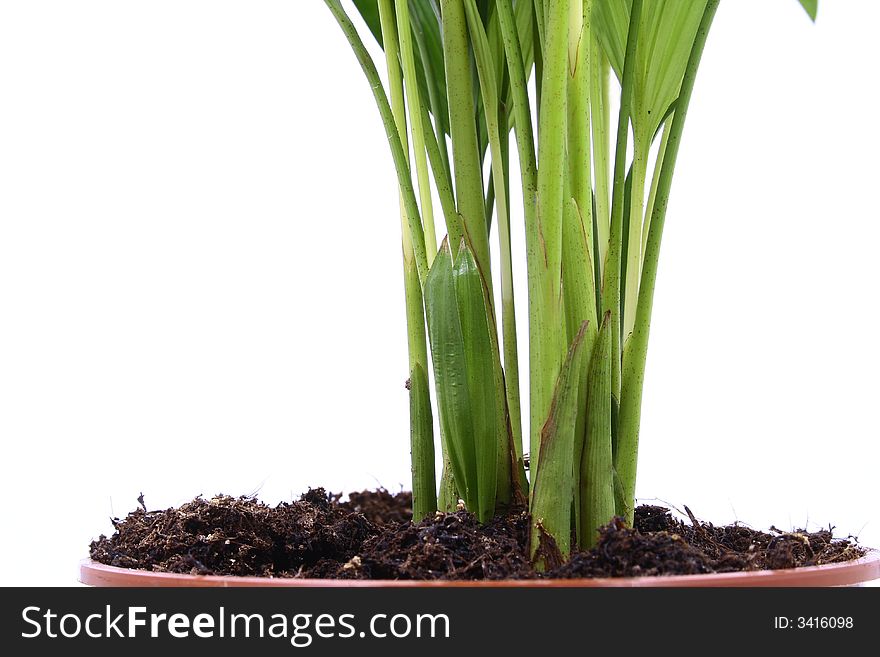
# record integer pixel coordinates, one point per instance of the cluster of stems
(463, 78)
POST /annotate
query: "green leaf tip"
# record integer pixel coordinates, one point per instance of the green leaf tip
(811, 7)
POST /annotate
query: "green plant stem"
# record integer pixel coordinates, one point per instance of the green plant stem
(465, 150)
(416, 241)
(528, 169)
(538, 41)
(539, 23)
(600, 112)
(612, 283)
(626, 457)
(448, 498)
(398, 108)
(578, 287)
(490, 200)
(634, 232)
(522, 114)
(577, 239)
(424, 483)
(458, 434)
(547, 334)
(508, 320)
(437, 107)
(489, 92)
(418, 353)
(414, 104)
(579, 117)
(441, 178)
(655, 179)
(421, 422)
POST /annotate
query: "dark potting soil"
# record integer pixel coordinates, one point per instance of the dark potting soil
(370, 536)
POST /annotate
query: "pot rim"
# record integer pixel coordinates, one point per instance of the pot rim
(857, 571)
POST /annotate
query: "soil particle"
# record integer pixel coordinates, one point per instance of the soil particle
(370, 536)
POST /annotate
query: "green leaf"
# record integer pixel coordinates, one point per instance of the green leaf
(480, 361)
(468, 379)
(553, 487)
(811, 7)
(665, 36)
(369, 11)
(596, 490)
(610, 25)
(450, 374)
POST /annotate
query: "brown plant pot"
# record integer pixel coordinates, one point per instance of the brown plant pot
(849, 573)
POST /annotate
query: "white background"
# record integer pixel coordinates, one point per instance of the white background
(200, 278)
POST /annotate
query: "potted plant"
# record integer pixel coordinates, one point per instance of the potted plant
(594, 210)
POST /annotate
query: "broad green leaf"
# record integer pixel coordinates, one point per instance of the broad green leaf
(450, 374)
(480, 360)
(610, 25)
(469, 380)
(369, 11)
(424, 484)
(596, 490)
(811, 7)
(666, 34)
(552, 491)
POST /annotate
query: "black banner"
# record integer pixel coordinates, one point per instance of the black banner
(431, 621)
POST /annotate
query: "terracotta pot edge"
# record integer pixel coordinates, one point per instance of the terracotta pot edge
(857, 571)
